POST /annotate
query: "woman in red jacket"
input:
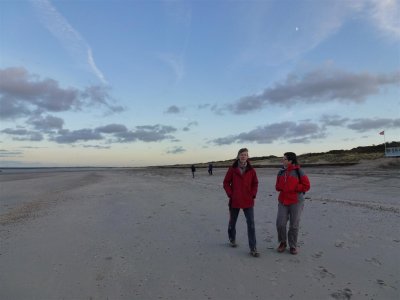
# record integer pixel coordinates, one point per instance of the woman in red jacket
(241, 185)
(291, 183)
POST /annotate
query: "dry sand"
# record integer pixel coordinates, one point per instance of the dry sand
(159, 234)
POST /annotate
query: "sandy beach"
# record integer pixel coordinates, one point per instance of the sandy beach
(159, 234)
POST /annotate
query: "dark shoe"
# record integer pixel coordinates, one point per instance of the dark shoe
(233, 244)
(254, 253)
(282, 247)
(293, 251)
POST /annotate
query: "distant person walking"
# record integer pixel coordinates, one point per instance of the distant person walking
(210, 169)
(241, 185)
(291, 183)
(193, 168)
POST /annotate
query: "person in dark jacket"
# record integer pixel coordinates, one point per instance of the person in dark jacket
(291, 183)
(241, 185)
(210, 169)
(193, 168)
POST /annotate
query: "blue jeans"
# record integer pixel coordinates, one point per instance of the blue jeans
(291, 213)
(251, 229)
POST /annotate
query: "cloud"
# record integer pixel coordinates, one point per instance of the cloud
(305, 131)
(333, 120)
(190, 125)
(23, 93)
(359, 125)
(385, 15)
(19, 91)
(98, 96)
(7, 153)
(173, 109)
(289, 131)
(178, 16)
(203, 106)
(66, 136)
(147, 133)
(93, 66)
(24, 164)
(118, 133)
(112, 128)
(176, 150)
(51, 127)
(46, 123)
(96, 147)
(23, 134)
(264, 44)
(175, 63)
(301, 32)
(362, 125)
(318, 86)
(72, 41)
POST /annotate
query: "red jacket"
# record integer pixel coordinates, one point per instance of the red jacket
(290, 186)
(241, 189)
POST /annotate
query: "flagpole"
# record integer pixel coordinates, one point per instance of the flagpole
(384, 141)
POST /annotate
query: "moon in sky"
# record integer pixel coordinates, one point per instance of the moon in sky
(297, 28)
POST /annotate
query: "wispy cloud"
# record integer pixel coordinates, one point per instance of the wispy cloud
(72, 41)
(93, 66)
(175, 63)
(301, 31)
(179, 16)
(386, 16)
(190, 125)
(173, 109)
(176, 150)
(8, 153)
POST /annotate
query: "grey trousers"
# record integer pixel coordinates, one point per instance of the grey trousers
(291, 213)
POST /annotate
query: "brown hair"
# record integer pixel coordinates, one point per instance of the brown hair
(291, 156)
(241, 151)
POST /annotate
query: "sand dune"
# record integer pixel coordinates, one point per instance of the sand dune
(159, 234)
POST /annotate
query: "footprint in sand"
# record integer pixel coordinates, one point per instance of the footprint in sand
(339, 244)
(317, 254)
(381, 282)
(344, 294)
(322, 272)
(268, 240)
(374, 261)
(273, 281)
(100, 277)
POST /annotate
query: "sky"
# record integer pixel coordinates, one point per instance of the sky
(125, 83)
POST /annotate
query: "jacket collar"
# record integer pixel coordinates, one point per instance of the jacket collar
(292, 167)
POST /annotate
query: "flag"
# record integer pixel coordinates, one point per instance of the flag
(382, 132)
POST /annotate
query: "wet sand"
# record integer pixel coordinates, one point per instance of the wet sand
(159, 234)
